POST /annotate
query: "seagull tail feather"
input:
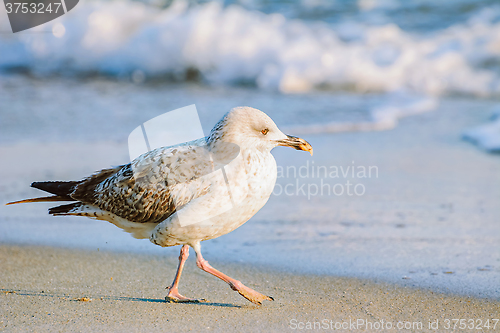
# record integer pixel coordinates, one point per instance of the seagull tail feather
(61, 191)
(42, 199)
(57, 188)
(69, 209)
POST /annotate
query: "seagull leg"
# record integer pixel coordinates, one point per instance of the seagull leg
(250, 294)
(173, 295)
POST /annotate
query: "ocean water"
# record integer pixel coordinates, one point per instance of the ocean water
(392, 85)
(415, 50)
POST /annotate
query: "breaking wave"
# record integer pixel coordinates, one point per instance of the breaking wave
(232, 45)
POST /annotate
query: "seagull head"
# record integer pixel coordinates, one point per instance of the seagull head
(248, 127)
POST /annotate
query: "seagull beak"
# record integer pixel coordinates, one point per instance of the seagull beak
(297, 143)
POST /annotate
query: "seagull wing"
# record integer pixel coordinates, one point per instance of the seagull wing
(152, 187)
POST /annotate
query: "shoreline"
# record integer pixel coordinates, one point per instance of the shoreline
(50, 289)
(431, 210)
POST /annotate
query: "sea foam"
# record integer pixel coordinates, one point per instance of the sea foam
(233, 45)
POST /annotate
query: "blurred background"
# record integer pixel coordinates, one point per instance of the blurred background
(395, 57)
(410, 87)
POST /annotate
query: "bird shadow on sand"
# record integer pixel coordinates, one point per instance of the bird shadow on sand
(107, 297)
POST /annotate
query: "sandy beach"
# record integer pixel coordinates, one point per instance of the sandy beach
(48, 289)
(420, 245)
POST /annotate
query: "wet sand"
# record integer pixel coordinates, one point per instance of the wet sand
(46, 289)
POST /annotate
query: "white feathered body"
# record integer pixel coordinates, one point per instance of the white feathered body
(250, 183)
(250, 194)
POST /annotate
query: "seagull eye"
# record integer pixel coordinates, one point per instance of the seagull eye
(264, 131)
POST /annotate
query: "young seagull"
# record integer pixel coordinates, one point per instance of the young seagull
(184, 194)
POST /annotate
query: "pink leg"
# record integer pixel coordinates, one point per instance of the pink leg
(173, 291)
(250, 294)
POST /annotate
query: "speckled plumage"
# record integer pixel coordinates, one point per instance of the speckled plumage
(150, 188)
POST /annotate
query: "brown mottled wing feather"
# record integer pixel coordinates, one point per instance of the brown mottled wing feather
(151, 187)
